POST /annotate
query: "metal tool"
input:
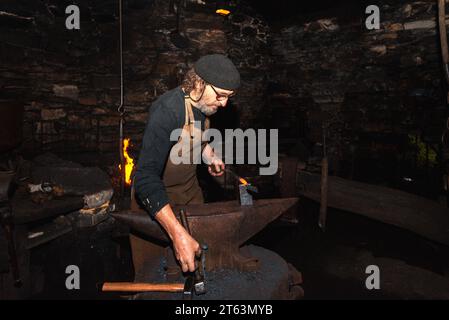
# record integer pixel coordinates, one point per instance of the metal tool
(245, 197)
(200, 272)
(199, 284)
(245, 190)
(188, 288)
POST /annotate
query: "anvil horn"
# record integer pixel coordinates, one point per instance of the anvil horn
(141, 222)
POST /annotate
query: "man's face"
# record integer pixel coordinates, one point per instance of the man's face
(213, 98)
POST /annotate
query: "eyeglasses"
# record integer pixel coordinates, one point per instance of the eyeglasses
(220, 96)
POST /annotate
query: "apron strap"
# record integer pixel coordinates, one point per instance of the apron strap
(186, 117)
(191, 118)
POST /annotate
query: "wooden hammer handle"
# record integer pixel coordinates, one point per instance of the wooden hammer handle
(184, 222)
(142, 287)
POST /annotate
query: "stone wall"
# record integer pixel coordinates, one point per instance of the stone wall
(69, 80)
(370, 89)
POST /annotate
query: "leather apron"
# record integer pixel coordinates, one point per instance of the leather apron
(182, 187)
(180, 181)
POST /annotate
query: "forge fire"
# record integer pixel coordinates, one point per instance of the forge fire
(224, 150)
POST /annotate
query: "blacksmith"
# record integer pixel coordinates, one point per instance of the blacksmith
(159, 182)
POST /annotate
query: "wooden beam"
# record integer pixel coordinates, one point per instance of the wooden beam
(404, 210)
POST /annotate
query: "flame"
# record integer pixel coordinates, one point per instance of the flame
(222, 12)
(129, 165)
(243, 181)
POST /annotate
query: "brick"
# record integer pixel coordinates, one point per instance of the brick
(88, 100)
(52, 114)
(66, 91)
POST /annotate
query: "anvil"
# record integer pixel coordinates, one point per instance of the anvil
(223, 226)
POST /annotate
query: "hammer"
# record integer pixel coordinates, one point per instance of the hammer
(142, 287)
(192, 283)
(199, 283)
(186, 288)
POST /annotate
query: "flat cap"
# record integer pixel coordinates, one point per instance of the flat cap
(218, 70)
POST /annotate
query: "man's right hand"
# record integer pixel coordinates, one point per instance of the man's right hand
(186, 249)
(184, 245)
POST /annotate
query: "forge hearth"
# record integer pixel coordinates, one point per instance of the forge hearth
(233, 270)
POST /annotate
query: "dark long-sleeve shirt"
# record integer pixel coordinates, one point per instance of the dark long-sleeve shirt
(166, 114)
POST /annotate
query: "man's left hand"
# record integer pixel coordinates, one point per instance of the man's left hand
(217, 167)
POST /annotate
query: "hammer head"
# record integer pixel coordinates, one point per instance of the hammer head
(188, 288)
(195, 281)
(200, 287)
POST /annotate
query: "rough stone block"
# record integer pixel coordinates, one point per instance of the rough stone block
(102, 81)
(109, 121)
(422, 24)
(138, 117)
(66, 91)
(89, 100)
(52, 114)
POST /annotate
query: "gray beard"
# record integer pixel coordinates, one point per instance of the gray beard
(208, 111)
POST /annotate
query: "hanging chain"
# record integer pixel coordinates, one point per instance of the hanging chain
(121, 108)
